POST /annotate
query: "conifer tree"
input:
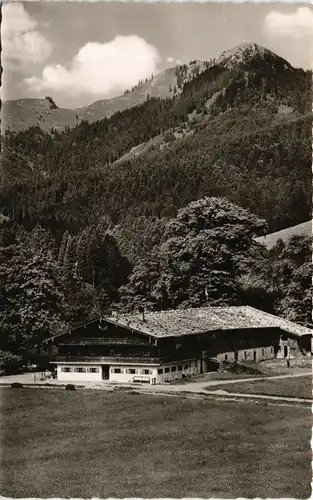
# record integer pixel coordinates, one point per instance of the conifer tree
(62, 249)
(33, 302)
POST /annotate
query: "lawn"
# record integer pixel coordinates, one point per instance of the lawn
(85, 444)
(298, 387)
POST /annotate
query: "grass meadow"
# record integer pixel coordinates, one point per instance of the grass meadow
(298, 387)
(85, 443)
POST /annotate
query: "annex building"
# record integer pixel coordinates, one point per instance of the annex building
(156, 347)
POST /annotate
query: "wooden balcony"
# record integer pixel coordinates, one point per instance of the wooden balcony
(106, 360)
(106, 341)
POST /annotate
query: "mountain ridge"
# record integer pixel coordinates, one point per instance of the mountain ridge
(19, 114)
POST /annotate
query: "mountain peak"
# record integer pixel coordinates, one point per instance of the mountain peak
(245, 52)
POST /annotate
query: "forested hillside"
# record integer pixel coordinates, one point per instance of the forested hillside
(160, 203)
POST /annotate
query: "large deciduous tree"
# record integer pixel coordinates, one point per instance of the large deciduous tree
(200, 259)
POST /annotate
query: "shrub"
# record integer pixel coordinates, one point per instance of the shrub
(70, 387)
(16, 385)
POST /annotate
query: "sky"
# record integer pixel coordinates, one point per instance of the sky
(80, 52)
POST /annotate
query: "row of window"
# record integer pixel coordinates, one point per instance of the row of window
(145, 371)
(79, 369)
(245, 353)
(168, 369)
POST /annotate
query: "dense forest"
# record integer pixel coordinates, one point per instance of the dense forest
(87, 226)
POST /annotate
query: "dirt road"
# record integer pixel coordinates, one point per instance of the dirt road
(200, 388)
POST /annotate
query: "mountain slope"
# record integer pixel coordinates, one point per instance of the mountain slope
(243, 133)
(23, 113)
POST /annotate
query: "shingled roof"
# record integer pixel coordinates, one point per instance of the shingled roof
(178, 322)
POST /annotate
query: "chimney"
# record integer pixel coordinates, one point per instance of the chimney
(142, 311)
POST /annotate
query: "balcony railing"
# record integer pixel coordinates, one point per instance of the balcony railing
(107, 359)
(115, 359)
(105, 341)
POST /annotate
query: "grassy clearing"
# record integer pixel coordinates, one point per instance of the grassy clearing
(298, 387)
(268, 368)
(207, 377)
(87, 444)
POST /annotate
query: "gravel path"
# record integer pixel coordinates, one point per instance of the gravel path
(191, 389)
(199, 386)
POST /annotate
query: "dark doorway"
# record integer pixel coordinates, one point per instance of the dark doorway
(285, 351)
(254, 356)
(105, 372)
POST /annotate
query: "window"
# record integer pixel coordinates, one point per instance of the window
(131, 370)
(167, 370)
(80, 369)
(117, 370)
(93, 370)
(245, 354)
(160, 370)
(225, 357)
(173, 369)
(179, 368)
(66, 369)
(272, 350)
(145, 372)
(262, 352)
(186, 367)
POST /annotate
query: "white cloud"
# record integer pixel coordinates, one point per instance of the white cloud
(100, 69)
(298, 24)
(169, 59)
(21, 43)
(295, 32)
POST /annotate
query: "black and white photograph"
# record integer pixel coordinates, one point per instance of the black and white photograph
(156, 250)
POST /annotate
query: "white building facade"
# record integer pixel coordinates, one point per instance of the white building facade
(126, 373)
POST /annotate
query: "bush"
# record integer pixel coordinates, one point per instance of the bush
(230, 367)
(70, 387)
(16, 385)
